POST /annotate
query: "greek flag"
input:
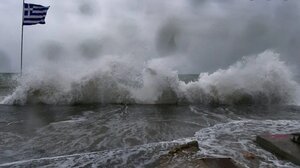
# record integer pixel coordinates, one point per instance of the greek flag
(34, 14)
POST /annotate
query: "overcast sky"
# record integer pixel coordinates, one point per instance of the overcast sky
(191, 36)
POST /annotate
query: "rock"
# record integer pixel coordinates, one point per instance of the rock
(249, 155)
(190, 147)
(184, 156)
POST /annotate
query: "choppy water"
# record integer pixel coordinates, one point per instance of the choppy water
(135, 135)
(118, 116)
(260, 80)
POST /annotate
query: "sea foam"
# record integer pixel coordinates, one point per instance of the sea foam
(257, 79)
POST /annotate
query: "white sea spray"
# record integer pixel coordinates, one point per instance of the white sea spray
(258, 79)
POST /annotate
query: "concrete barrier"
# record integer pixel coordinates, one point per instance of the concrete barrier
(281, 145)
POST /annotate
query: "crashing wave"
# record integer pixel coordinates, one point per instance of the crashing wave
(260, 79)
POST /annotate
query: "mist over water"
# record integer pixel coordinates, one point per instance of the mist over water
(188, 36)
(260, 79)
(133, 51)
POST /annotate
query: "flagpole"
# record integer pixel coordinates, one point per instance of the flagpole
(22, 37)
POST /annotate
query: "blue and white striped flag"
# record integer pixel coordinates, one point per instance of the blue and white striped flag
(34, 14)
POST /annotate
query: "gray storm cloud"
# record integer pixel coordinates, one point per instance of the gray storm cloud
(196, 35)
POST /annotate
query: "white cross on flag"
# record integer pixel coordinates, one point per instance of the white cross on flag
(34, 14)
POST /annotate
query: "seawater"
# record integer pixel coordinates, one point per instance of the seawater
(136, 135)
(125, 117)
(261, 79)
